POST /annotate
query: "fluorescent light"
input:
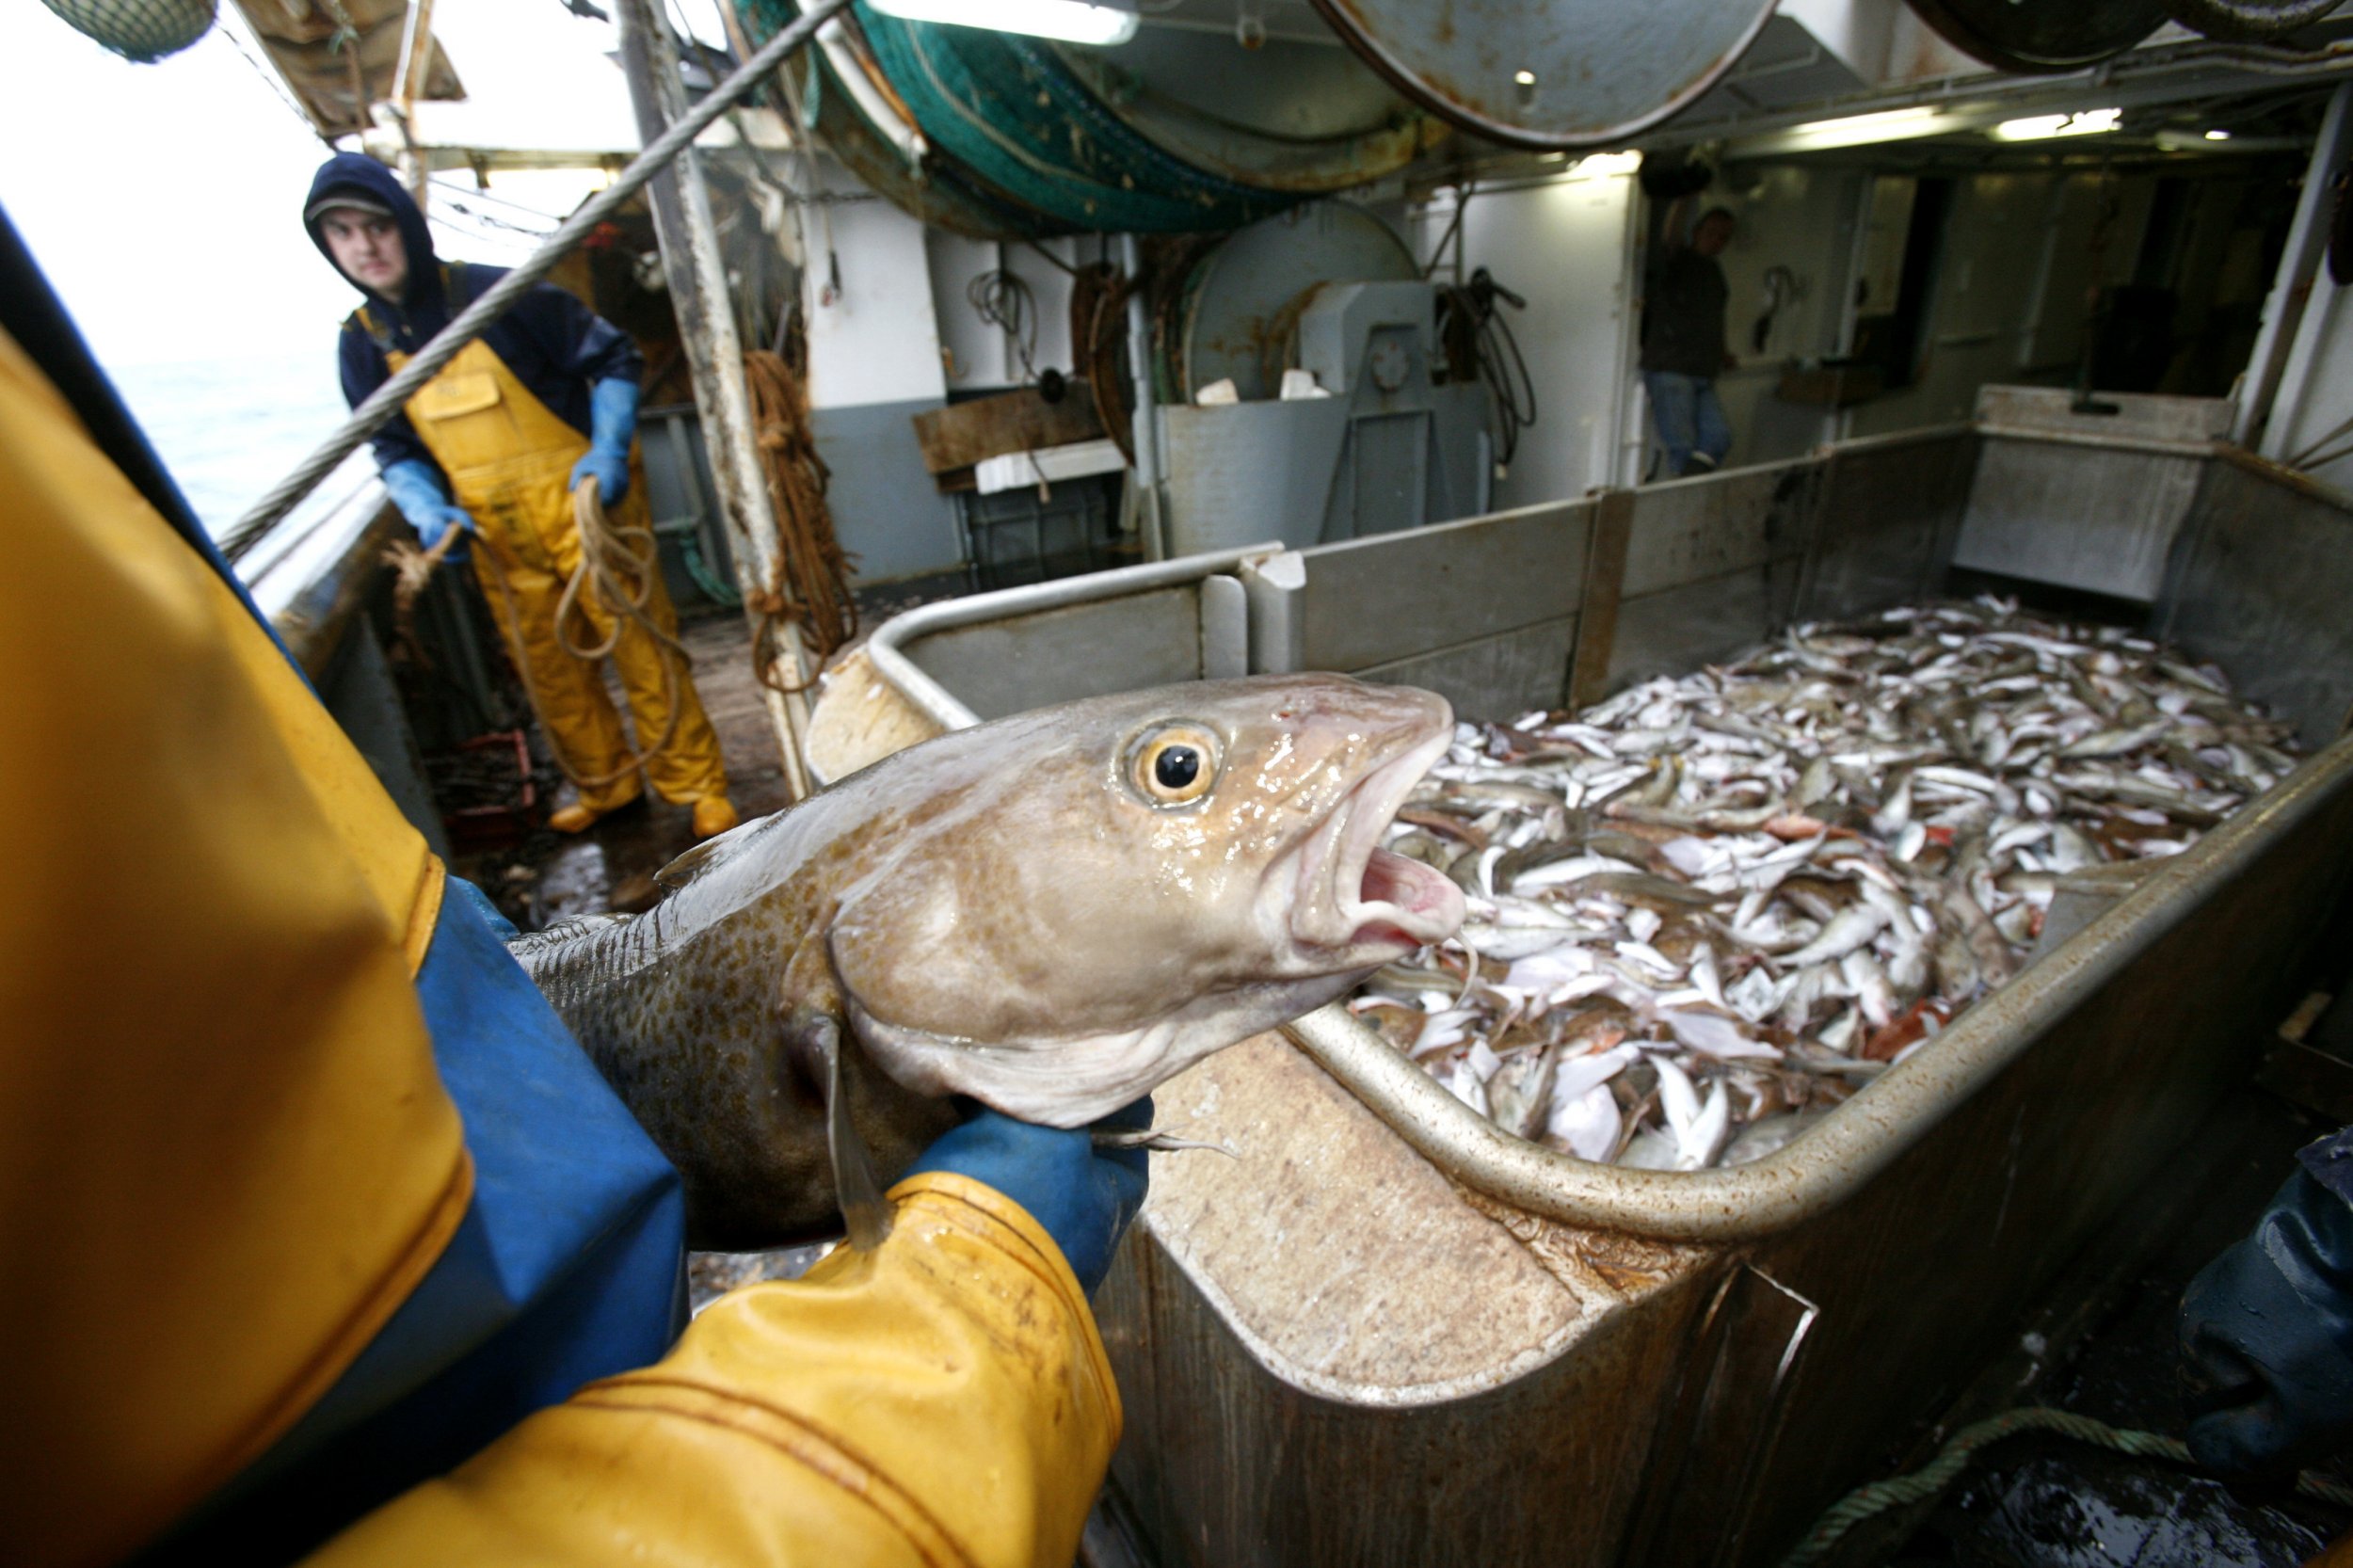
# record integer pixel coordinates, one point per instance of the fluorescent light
(1862, 129)
(1071, 20)
(1604, 165)
(2036, 127)
(2218, 136)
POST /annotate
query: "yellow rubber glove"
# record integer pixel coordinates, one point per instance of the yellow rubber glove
(941, 1399)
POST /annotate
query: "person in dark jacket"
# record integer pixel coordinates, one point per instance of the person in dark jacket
(1683, 346)
(544, 402)
(2267, 1328)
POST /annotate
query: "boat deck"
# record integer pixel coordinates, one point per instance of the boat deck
(550, 877)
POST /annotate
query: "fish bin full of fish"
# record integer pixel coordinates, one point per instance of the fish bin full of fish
(1875, 864)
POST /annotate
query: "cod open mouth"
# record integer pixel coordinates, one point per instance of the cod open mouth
(1357, 895)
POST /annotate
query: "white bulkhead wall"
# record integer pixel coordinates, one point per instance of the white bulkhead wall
(977, 356)
(874, 363)
(1564, 244)
(875, 339)
(2020, 254)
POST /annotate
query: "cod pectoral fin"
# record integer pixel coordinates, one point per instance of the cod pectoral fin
(865, 1212)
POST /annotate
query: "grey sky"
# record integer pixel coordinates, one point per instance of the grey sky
(164, 200)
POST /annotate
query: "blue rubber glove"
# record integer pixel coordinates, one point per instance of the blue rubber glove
(416, 489)
(612, 424)
(2267, 1338)
(1082, 1196)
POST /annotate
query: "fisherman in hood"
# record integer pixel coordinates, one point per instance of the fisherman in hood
(542, 403)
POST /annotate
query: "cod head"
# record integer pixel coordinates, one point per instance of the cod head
(1077, 903)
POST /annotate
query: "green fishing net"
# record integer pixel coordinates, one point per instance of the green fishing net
(141, 30)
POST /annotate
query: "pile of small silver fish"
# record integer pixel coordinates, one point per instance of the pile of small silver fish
(1709, 908)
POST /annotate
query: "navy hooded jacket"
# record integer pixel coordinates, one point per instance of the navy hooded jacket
(554, 343)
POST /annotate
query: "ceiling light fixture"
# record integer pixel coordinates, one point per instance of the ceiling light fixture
(2036, 127)
(1863, 129)
(1093, 22)
(2218, 136)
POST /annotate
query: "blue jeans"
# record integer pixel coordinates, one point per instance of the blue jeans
(1689, 420)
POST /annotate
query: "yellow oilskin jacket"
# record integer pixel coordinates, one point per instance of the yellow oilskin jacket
(226, 1157)
(510, 461)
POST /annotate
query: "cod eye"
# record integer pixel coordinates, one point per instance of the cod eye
(1173, 764)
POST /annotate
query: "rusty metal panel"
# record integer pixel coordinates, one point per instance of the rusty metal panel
(1058, 655)
(1884, 522)
(1670, 632)
(2262, 586)
(2104, 416)
(339, 56)
(1378, 600)
(1689, 530)
(1304, 1383)
(1604, 586)
(2010, 1184)
(1570, 74)
(2080, 516)
(1495, 677)
(1244, 472)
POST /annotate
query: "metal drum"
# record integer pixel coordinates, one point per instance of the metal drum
(1242, 302)
(1569, 74)
(2039, 39)
(2249, 20)
(1262, 94)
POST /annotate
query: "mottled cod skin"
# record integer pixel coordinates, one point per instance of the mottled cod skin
(1027, 912)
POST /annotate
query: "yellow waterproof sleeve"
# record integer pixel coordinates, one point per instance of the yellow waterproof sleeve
(226, 1157)
(942, 1399)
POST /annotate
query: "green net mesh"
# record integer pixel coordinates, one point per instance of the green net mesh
(141, 30)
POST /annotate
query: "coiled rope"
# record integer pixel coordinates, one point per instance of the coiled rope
(412, 569)
(1930, 1479)
(812, 590)
(618, 565)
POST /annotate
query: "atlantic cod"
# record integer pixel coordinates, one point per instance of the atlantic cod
(1052, 914)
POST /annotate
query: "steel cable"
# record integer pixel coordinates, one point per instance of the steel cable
(388, 399)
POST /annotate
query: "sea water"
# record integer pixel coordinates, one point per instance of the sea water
(230, 429)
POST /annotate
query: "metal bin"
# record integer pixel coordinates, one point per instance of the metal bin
(1389, 1333)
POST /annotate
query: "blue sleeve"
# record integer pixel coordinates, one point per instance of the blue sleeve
(363, 370)
(577, 341)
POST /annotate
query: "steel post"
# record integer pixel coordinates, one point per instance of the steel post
(1146, 477)
(714, 358)
(2279, 336)
(408, 78)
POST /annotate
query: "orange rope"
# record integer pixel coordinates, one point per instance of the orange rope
(813, 586)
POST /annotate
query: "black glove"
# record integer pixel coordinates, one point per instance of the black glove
(2268, 1333)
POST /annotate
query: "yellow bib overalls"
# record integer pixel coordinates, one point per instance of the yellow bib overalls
(509, 460)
